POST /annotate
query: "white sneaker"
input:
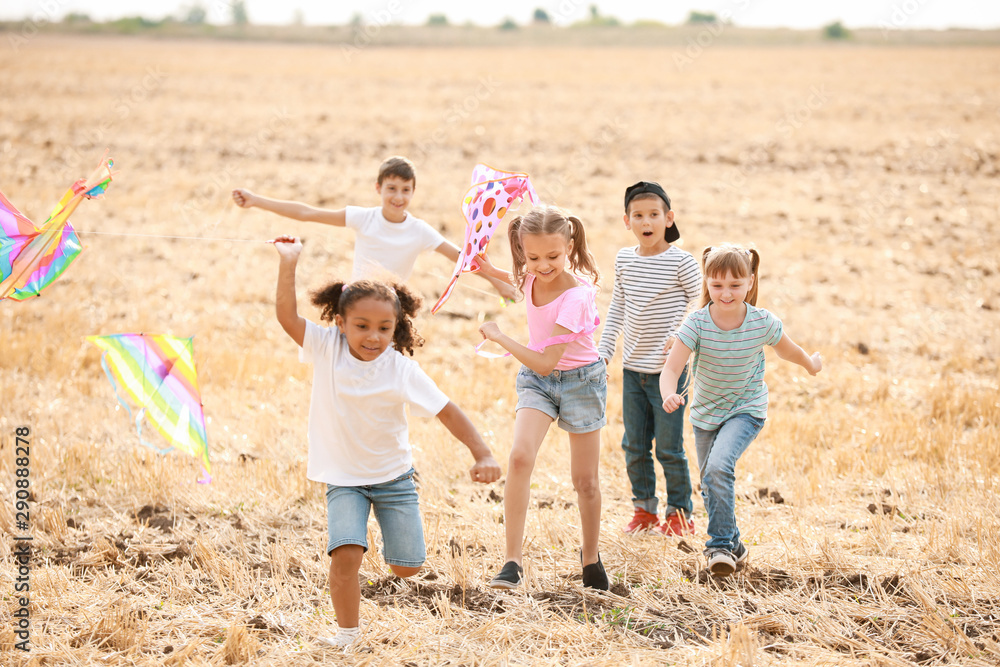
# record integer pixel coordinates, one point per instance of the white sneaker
(344, 638)
(721, 562)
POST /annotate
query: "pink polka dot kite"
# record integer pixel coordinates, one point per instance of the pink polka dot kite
(484, 206)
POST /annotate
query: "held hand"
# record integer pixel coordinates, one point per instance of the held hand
(288, 247)
(483, 264)
(672, 402)
(669, 344)
(490, 331)
(817, 363)
(485, 471)
(243, 198)
(507, 292)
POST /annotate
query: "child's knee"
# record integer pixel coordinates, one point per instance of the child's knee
(587, 486)
(345, 560)
(520, 460)
(403, 571)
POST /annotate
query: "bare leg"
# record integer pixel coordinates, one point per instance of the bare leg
(585, 456)
(345, 589)
(530, 427)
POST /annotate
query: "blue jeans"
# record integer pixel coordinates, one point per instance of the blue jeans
(646, 421)
(396, 509)
(718, 452)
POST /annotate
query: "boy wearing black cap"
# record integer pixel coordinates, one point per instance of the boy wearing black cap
(654, 282)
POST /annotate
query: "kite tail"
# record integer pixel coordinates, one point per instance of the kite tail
(205, 477)
(138, 416)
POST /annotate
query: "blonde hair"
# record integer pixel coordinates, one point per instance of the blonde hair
(551, 220)
(719, 260)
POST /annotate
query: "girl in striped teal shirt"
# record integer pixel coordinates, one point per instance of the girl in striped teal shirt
(728, 394)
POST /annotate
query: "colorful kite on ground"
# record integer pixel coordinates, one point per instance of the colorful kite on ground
(32, 257)
(158, 374)
(484, 206)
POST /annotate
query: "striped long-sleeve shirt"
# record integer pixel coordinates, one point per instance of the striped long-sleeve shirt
(728, 366)
(650, 297)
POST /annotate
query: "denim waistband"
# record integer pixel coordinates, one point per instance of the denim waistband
(573, 373)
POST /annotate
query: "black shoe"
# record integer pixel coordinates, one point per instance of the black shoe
(740, 553)
(595, 577)
(509, 576)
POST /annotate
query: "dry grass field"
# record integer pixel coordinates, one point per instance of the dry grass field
(866, 177)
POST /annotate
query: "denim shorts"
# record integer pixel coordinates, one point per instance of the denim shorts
(577, 397)
(396, 510)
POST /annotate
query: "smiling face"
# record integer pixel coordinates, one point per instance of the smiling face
(396, 194)
(729, 292)
(648, 220)
(545, 255)
(369, 325)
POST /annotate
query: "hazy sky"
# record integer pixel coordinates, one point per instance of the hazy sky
(763, 13)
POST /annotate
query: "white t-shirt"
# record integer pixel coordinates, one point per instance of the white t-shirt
(383, 246)
(357, 423)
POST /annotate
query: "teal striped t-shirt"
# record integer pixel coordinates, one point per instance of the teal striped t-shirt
(728, 366)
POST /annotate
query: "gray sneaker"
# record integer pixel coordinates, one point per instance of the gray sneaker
(721, 562)
(740, 553)
(508, 577)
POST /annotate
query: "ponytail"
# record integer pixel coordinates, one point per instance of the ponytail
(518, 259)
(581, 259)
(405, 337)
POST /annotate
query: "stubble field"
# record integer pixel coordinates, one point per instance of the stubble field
(866, 177)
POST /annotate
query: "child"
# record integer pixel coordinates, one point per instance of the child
(654, 282)
(388, 238)
(729, 397)
(563, 376)
(358, 441)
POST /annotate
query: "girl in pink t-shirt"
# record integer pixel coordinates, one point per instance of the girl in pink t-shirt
(563, 377)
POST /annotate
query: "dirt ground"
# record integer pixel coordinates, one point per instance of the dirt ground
(866, 177)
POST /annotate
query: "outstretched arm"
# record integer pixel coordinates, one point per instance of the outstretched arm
(788, 350)
(672, 369)
(285, 302)
(543, 362)
(290, 209)
(503, 287)
(486, 468)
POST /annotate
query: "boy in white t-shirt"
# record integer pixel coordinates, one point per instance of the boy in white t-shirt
(389, 239)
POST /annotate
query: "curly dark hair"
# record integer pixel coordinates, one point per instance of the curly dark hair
(338, 297)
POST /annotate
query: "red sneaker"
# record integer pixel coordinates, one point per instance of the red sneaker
(676, 525)
(642, 520)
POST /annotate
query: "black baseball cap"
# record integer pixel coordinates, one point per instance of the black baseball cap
(671, 234)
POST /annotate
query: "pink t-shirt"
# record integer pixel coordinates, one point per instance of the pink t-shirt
(576, 310)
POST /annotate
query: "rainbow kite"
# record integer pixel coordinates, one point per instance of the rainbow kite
(157, 373)
(32, 257)
(484, 206)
